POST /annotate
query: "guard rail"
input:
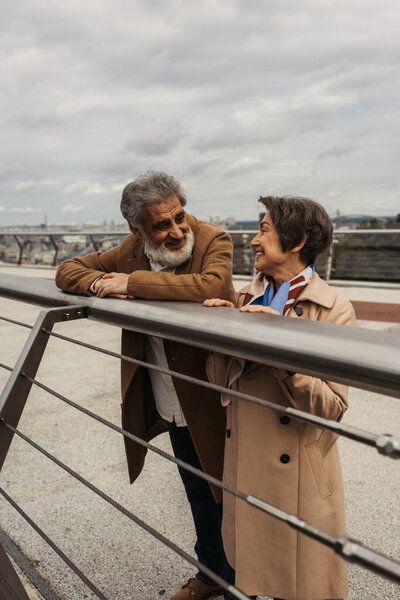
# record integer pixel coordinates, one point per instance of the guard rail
(361, 358)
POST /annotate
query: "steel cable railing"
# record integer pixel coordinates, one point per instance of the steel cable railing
(357, 552)
(14, 322)
(344, 546)
(366, 359)
(54, 546)
(235, 592)
(349, 549)
(385, 443)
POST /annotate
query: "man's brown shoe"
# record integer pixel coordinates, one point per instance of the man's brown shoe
(195, 589)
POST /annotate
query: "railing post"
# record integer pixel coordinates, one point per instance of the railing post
(10, 584)
(56, 250)
(17, 388)
(21, 249)
(330, 261)
(94, 243)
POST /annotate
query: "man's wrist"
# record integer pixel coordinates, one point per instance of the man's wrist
(92, 288)
(130, 286)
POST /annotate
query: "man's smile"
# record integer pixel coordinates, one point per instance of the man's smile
(175, 244)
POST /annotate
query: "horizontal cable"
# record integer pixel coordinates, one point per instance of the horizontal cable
(6, 367)
(16, 322)
(140, 441)
(386, 444)
(52, 545)
(350, 549)
(218, 580)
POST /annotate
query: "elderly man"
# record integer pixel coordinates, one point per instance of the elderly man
(170, 255)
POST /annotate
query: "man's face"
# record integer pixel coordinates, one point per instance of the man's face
(166, 225)
(168, 239)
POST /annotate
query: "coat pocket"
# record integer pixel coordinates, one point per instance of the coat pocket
(318, 470)
(217, 368)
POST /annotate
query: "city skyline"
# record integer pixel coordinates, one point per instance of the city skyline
(236, 100)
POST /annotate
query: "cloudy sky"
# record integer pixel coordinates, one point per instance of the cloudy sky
(235, 98)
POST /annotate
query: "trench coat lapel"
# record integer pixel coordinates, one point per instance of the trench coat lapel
(316, 291)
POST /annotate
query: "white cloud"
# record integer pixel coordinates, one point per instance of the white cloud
(24, 210)
(30, 184)
(2, 208)
(338, 151)
(293, 96)
(244, 165)
(89, 188)
(157, 140)
(37, 119)
(71, 208)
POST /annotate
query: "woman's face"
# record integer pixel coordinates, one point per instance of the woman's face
(269, 254)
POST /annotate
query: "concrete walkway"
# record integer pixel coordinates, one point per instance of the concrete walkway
(123, 561)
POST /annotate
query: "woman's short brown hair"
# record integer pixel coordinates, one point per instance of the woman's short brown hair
(296, 219)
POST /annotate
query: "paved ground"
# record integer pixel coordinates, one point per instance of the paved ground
(122, 560)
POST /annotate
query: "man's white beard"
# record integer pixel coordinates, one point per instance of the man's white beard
(169, 258)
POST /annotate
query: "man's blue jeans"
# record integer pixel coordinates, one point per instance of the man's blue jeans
(207, 514)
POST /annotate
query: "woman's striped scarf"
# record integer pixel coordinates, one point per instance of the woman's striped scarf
(283, 299)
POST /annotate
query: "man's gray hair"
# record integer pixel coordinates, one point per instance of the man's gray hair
(146, 190)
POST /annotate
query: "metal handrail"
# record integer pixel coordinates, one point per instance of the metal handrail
(91, 234)
(63, 232)
(335, 231)
(357, 357)
(366, 353)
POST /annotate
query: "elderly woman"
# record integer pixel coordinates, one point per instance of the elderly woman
(291, 465)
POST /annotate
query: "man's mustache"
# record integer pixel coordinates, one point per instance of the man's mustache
(174, 242)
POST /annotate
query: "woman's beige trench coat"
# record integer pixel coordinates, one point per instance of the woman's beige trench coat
(291, 465)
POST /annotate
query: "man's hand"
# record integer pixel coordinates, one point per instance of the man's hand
(112, 284)
(259, 308)
(218, 302)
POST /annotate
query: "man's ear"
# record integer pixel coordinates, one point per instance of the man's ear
(136, 231)
(299, 246)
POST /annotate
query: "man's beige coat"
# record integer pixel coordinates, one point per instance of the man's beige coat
(208, 273)
(291, 465)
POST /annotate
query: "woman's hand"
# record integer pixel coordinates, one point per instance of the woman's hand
(218, 302)
(259, 308)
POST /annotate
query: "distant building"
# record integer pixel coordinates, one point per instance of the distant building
(363, 222)
(245, 225)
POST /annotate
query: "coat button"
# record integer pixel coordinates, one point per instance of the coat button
(228, 433)
(285, 458)
(285, 420)
(298, 310)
